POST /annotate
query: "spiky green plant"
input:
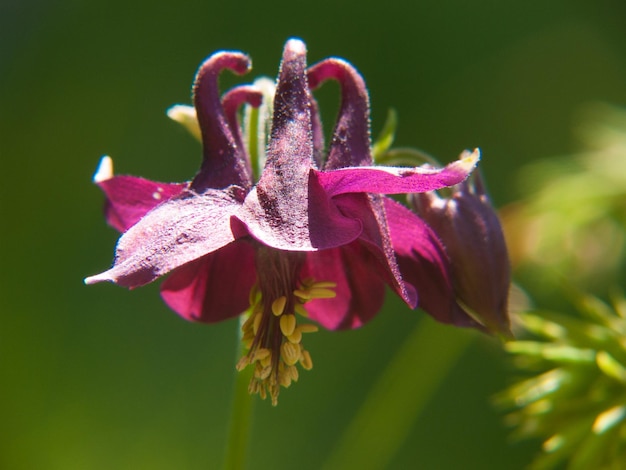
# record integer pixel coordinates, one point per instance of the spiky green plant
(573, 395)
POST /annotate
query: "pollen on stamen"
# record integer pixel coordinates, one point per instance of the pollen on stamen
(278, 306)
(290, 353)
(287, 324)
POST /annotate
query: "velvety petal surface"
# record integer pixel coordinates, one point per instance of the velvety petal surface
(424, 263)
(129, 198)
(214, 287)
(176, 232)
(287, 210)
(392, 180)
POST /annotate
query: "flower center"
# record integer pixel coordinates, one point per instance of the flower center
(272, 334)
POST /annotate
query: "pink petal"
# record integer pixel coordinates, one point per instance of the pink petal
(129, 198)
(391, 180)
(176, 232)
(214, 287)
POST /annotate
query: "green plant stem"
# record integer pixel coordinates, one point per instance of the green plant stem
(240, 418)
(396, 399)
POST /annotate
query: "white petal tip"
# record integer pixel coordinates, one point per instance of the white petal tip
(104, 171)
(95, 279)
(296, 45)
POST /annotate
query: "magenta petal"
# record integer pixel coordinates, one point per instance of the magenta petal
(370, 210)
(175, 233)
(282, 189)
(424, 263)
(214, 287)
(350, 144)
(391, 180)
(130, 198)
(360, 291)
(224, 161)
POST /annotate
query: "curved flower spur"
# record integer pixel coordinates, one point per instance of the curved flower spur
(311, 237)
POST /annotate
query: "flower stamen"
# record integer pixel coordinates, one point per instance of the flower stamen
(272, 335)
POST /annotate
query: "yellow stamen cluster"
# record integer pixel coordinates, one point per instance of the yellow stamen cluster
(273, 337)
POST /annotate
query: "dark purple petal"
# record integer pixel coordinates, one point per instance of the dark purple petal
(350, 144)
(424, 263)
(390, 180)
(286, 210)
(214, 287)
(471, 232)
(360, 290)
(318, 133)
(282, 188)
(224, 161)
(176, 232)
(370, 210)
(232, 101)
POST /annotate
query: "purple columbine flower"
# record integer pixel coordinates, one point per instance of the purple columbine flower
(479, 268)
(312, 236)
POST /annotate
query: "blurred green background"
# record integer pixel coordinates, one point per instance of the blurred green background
(99, 377)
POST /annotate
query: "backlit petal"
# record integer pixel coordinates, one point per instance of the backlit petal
(360, 290)
(129, 198)
(392, 180)
(214, 287)
(424, 263)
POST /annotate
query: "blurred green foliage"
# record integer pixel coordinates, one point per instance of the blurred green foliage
(571, 221)
(100, 377)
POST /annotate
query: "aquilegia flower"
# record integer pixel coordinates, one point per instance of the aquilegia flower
(311, 236)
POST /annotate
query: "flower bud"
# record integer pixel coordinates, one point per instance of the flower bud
(470, 231)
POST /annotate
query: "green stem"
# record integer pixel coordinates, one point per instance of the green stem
(397, 398)
(241, 416)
